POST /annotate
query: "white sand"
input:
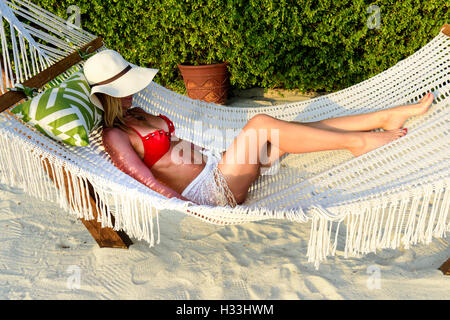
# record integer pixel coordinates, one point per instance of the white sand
(43, 249)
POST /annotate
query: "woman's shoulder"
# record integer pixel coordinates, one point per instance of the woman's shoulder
(138, 110)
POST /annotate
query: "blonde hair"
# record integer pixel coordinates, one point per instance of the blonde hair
(113, 112)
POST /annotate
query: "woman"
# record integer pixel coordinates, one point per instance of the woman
(145, 147)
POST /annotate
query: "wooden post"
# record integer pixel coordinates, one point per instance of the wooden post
(105, 237)
(445, 268)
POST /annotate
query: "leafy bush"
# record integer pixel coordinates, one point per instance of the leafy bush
(307, 45)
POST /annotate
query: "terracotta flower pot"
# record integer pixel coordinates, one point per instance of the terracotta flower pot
(209, 83)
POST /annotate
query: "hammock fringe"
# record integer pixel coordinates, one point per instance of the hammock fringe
(404, 220)
(23, 166)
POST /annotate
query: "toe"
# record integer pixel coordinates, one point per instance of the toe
(428, 98)
(399, 133)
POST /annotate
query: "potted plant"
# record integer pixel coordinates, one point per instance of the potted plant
(204, 78)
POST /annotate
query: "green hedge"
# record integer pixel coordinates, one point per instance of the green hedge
(309, 45)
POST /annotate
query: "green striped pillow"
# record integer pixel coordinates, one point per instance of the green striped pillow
(63, 113)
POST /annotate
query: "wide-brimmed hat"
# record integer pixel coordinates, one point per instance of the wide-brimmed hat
(108, 72)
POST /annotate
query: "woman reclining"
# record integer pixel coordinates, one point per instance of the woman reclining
(145, 146)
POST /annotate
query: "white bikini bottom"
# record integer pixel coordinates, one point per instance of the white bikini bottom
(210, 186)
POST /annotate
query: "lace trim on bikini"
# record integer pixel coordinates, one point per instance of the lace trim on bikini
(223, 186)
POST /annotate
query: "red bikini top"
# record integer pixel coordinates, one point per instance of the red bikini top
(156, 143)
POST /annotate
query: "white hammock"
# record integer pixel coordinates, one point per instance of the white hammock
(395, 195)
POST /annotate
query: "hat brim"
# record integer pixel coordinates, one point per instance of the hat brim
(136, 79)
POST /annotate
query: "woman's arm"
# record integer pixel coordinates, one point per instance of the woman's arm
(124, 157)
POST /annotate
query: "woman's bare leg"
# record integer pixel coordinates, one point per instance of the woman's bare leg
(241, 162)
(387, 119)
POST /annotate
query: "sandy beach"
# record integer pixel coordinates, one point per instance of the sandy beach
(46, 253)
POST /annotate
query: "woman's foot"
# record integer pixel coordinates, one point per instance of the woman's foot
(368, 141)
(394, 118)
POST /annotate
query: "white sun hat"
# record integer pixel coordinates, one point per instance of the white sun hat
(108, 72)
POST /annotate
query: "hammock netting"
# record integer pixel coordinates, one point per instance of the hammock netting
(396, 195)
